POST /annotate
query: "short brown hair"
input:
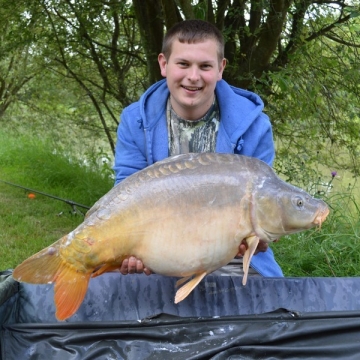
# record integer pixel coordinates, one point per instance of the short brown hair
(191, 32)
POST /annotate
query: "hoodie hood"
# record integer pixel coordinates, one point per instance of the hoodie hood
(244, 128)
(246, 105)
(153, 104)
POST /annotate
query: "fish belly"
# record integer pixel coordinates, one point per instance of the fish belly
(182, 243)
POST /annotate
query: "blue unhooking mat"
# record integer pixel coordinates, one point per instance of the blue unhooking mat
(134, 317)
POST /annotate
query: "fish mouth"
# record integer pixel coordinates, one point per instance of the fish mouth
(321, 216)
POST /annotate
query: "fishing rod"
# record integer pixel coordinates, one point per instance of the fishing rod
(73, 204)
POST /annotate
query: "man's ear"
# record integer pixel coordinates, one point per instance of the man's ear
(162, 63)
(221, 68)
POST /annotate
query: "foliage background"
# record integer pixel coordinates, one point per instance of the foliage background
(67, 69)
(71, 67)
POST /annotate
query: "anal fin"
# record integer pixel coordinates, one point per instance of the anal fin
(186, 289)
(252, 243)
(69, 291)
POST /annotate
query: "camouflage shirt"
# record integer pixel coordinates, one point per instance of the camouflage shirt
(197, 136)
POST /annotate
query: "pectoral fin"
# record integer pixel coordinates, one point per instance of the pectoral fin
(186, 289)
(252, 242)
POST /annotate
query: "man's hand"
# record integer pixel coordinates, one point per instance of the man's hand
(262, 247)
(133, 265)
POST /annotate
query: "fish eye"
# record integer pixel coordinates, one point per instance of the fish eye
(299, 202)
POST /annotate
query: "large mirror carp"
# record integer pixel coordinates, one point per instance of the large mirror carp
(184, 216)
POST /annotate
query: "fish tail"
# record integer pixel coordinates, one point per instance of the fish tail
(41, 268)
(46, 267)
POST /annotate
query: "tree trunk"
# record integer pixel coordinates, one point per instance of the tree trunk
(148, 15)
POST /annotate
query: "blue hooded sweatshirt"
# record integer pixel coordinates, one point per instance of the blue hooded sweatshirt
(142, 138)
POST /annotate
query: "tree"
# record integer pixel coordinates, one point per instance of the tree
(94, 44)
(301, 56)
(260, 36)
(16, 67)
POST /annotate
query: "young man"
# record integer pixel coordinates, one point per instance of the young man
(193, 110)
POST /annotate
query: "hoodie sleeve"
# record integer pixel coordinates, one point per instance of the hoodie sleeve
(130, 152)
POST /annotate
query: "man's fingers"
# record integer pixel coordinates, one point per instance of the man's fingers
(242, 249)
(262, 247)
(147, 271)
(139, 266)
(124, 267)
(133, 265)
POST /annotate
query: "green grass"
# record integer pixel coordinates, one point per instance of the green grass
(28, 225)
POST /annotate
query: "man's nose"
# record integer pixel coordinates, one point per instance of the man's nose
(193, 73)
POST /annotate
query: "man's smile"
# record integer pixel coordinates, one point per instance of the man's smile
(191, 88)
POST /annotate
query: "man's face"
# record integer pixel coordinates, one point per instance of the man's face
(191, 72)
